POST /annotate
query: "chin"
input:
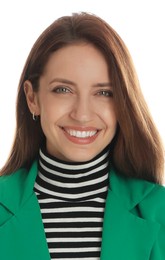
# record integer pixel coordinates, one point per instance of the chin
(80, 157)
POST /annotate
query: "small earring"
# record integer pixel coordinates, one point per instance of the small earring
(34, 117)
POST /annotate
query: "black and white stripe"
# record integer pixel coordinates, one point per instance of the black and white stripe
(72, 199)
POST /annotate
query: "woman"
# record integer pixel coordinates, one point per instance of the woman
(83, 180)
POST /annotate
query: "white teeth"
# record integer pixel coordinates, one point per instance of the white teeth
(81, 134)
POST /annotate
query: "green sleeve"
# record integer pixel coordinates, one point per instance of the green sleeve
(153, 208)
(158, 250)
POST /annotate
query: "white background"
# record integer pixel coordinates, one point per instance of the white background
(140, 23)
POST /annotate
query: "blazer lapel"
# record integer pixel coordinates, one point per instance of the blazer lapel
(126, 235)
(22, 235)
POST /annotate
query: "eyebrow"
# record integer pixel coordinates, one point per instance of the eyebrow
(106, 84)
(66, 81)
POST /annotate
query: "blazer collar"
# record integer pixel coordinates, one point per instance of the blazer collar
(128, 190)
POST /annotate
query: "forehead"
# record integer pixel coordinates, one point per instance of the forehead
(77, 56)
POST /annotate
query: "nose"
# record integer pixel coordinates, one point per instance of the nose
(82, 110)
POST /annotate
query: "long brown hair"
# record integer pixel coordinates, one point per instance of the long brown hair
(138, 150)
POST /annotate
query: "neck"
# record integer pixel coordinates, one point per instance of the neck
(73, 180)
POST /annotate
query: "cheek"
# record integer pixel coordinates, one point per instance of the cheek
(52, 109)
(109, 116)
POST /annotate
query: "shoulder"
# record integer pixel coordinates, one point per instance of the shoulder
(12, 177)
(146, 197)
(17, 187)
(19, 176)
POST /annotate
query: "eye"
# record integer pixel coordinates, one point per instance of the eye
(105, 93)
(61, 90)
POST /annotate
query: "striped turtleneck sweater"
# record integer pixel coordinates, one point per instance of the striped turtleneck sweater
(72, 200)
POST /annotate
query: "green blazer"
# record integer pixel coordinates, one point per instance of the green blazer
(134, 220)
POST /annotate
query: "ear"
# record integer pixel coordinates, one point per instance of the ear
(31, 98)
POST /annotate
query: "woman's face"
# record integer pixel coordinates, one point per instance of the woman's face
(75, 103)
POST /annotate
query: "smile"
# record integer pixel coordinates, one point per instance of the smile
(83, 136)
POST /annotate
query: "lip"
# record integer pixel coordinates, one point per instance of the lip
(91, 134)
(80, 128)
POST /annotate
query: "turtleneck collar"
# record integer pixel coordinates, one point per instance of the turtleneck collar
(73, 181)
